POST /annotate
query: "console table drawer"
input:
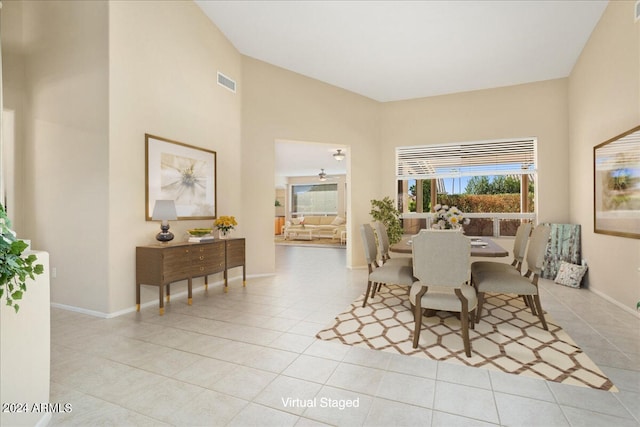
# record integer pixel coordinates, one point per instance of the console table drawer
(161, 264)
(235, 253)
(208, 259)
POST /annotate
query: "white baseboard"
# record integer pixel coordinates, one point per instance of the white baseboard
(614, 302)
(80, 310)
(154, 302)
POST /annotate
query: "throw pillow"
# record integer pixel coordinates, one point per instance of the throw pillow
(338, 221)
(570, 274)
(295, 221)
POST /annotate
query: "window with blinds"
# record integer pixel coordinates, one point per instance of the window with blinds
(484, 158)
(314, 199)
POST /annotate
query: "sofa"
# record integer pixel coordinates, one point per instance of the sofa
(327, 226)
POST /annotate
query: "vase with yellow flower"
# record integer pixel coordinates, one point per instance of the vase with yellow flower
(225, 224)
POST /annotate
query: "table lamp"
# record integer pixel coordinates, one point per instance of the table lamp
(164, 210)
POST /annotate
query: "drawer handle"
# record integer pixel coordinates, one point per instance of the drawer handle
(201, 268)
(201, 257)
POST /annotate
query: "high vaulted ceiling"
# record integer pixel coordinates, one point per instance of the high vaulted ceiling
(396, 50)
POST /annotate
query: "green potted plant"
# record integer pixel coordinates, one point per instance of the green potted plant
(385, 211)
(14, 267)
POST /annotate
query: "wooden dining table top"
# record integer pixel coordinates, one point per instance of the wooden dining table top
(480, 247)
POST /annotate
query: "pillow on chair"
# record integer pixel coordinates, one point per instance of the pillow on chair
(338, 221)
(570, 274)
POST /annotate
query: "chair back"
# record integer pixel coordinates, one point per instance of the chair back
(537, 248)
(520, 244)
(441, 258)
(383, 239)
(369, 243)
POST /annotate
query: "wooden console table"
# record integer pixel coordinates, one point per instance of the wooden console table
(164, 263)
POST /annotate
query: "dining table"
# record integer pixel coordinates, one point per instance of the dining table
(481, 246)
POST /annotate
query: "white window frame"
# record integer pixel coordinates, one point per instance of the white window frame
(476, 158)
(296, 213)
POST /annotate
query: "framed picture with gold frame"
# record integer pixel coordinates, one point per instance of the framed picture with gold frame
(182, 173)
(616, 179)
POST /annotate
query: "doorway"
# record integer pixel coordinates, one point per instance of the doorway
(302, 169)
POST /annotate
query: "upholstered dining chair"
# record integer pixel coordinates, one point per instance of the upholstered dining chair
(381, 274)
(519, 250)
(383, 246)
(506, 282)
(441, 267)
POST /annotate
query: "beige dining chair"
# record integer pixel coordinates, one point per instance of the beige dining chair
(506, 282)
(383, 246)
(381, 274)
(519, 250)
(441, 267)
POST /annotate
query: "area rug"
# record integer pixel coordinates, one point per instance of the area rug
(508, 338)
(317, 242)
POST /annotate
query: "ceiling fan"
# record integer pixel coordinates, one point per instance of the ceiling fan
(323, 175)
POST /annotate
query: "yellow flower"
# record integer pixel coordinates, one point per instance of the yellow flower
(225, 223)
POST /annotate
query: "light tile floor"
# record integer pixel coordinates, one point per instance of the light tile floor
(249, 357)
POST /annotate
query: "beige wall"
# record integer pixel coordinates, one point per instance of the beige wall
(531, 110)
(280, 105)
(91, 78)
(57, 84)
(13, 76)
(87, 80)
(164, 57)
(604, 94)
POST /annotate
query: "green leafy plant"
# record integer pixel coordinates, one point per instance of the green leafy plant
(14, 267)
(385, 211)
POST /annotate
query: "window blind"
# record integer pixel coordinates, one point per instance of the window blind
(503, 157)
(314, 198)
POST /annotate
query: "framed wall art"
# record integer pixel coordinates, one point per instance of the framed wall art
(616, 179)
(183, 173)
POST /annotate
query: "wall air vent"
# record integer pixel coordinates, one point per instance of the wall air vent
(226, 82)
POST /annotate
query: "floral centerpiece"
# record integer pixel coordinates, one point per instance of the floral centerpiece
(448, 218)
(225, 224)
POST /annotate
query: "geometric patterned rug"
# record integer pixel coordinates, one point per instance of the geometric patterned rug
(508, 338)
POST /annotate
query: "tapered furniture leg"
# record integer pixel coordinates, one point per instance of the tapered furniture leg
(536, 300)
(417, 317)
(161, 297)
(479, 308)
(464, 322)
(366, 294)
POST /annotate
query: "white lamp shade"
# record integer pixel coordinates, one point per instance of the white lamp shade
(164, 210)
